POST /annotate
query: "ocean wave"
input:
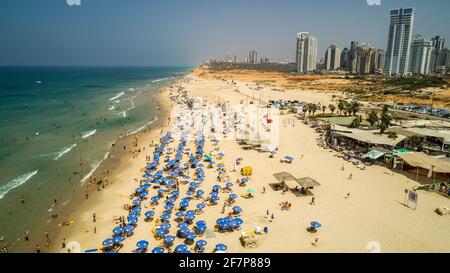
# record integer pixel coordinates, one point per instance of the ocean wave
(111, 108)
(160, 80)
(94, 167)
(65, 151)
(16, 182)
(117, 96)
(143, 127)
(89, 133)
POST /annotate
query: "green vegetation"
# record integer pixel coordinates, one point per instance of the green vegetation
(417, 82)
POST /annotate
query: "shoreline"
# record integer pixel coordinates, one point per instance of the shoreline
(111, 161)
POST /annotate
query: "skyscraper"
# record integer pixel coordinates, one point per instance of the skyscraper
(421, 56)
(364, 62)
(379, 60)
(253, 57)
(438, 46)
(399, 41)
(332, 57)
(306, 53)
(345, 59)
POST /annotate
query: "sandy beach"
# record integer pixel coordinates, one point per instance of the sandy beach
(363, 214)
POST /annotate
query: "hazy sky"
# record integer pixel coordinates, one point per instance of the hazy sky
(187, 32)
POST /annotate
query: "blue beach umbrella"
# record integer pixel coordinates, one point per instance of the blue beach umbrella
(158, 250)
(183, 225)
(315, 224)
(201, 243)
(169, 239)
(237, 209)
(155, 199)
(200, 192)
(181, 249)
(117, 230)
(244, 180)
(165, 217)
(179, 214)
(233, 196)
(137, 202)
(221, 247)
(200, 223)
(165, 226)
(200, 229)
(190, 217)
(191, 236)
(239, 221)
(149, 214)
(144, 194)
(118, 239)
(216, 187)
(200, 206)
(190, 193)
(133, 221)
(215, 198)
(229, 185)
(108, 242)
(169, 207)
(128, 229)
(142, 244)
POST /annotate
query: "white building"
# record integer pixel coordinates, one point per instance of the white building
(253, 57)
(399, 41)
(421, 50)
(306, 53)
(332, 57)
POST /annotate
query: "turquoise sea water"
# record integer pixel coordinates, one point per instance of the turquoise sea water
(57, 125)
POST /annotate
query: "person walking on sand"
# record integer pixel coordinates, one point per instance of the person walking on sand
(63, 243)
(38, 249)
(264, 190)
(313, 201)
(342, 168)
(348, 195)
(272, 217)
(350, 176)
(94, 218)
(315, 242)
(26, 236)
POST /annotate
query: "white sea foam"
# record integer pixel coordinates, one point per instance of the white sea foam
(16, 182)
(160, 80)
(117, 96)
(65, 151)
(89, 133)
(111, 108)
(143, 127)
(94, 168)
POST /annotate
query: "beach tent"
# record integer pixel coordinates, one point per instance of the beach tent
(307, 182)
(374, 154)
(283, 176)
(424, 161)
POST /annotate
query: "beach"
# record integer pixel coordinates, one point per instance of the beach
(363, 214)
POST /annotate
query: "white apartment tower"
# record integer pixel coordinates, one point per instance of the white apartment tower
(332, 57)
(421, 50)
(399, 41)
(306, 53)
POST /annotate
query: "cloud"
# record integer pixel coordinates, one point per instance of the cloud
(73, 2)
(374, 2)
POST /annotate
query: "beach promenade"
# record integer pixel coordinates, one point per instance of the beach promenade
(362, 214)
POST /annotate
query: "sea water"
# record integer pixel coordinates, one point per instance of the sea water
(57, 125)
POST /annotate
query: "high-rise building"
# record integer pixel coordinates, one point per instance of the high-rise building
(438, 45)
(364, 62)
(443, 60)
(421, 56)
(332, 58)
(399, 41)
(379, 61)
(345, 59)
(253, 57)
(306, 53)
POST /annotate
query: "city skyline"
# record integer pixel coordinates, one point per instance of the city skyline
(150, 33)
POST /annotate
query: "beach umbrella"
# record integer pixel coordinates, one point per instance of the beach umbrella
(200, 206)
(133, 221)
(184, 204)
(142, 244)
(179, 214)
(165, 226)
(233, 196)
(108, 242)
(143, 194)
(138, 190)
(169, 239)
(237, 208)
(290, 158)
(201, 228)
(128, 229)
(118, 239)
(165, 216)
(216, 187)
(189, 193)
(251, 190)
(229, 185)
(181, 249)
(215, 198)
(239, 221)
(219, 221)
(201, 223)
(149, 214)
(171, 199)
(183, 225)
(137, 202)
(145, 186)
(169, 207)
(244, 180)
(201, 243)
(155, 199)
(175, 192)
(136, 210)
(315, 224)
(221, 247)
(158, 250)
(117, 230)
(190, 217)
(239, 158)
(200, 192)
(191, 236)
(160, 231)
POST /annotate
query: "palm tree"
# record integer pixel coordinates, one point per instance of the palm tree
(305, 108)
(341, 106)
(372, 118)
(332, 108)
(385, 120)
(355, 107)
(313, 108)
(323, 109)
(355, 123)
